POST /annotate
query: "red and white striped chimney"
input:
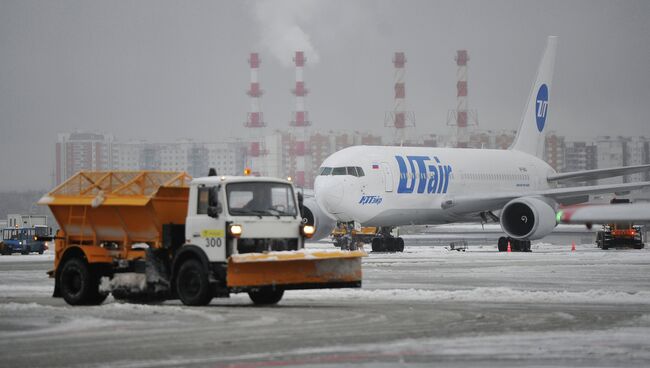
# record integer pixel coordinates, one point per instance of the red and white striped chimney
(462, 135)
(300, 122)
(255, 122)
(399, 119)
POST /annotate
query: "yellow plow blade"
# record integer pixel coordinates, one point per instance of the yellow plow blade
(302, 269)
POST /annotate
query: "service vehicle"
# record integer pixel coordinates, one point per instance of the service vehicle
(346, 236)
(620, 234)
(351, 235)
(24, 240)
(151, 236)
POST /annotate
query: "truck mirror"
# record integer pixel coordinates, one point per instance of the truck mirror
(213, 211)
(214, 207)
(213, 196)
(301, 199)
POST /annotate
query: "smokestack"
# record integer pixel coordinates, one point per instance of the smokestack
(301, 123)
(255, 122)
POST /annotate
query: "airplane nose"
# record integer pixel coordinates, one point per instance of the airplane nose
(329, 196)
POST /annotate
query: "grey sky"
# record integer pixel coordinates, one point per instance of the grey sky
(162, 70)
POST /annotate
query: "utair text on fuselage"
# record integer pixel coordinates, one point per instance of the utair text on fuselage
(429, 173)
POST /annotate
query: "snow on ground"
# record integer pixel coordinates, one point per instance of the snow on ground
(34, 257)
(429, 304)
(493, 295)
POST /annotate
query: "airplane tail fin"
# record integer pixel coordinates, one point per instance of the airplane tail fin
(531, 133)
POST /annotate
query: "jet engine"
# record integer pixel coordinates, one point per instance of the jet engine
(315, 216)
(528, 218)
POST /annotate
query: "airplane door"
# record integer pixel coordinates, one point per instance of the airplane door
(388, 176)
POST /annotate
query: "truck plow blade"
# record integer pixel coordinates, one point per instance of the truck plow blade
(296, 270)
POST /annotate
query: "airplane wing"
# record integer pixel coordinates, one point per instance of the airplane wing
(637, 213)
(573, 195)
(597, 174)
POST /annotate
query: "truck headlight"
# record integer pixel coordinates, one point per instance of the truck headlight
(235, 230)
(307, 231)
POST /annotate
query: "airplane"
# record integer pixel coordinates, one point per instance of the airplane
(390, 186)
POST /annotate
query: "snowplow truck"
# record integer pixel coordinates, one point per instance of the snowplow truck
(146, 236)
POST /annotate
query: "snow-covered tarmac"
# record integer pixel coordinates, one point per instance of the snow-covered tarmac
(427, 306)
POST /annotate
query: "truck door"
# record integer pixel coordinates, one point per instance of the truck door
(203, 230)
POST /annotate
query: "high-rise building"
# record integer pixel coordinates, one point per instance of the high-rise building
(579, 156)
(611, 153)
(82, 151)
(554, 151)
(637, 154)
(96, 152)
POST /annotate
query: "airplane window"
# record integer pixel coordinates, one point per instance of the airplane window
(339, 171)
(352, 171)
(326, 171)
(360, 171)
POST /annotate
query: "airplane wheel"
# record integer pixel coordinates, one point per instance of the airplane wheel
(378, 245)
(399, 244)
(266, 296)
(502, 244)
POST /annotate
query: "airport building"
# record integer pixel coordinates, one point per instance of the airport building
(280, 153)
(95, 151)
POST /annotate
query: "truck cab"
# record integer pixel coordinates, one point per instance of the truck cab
(237, 215)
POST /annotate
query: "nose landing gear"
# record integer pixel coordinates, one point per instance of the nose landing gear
(386, 242)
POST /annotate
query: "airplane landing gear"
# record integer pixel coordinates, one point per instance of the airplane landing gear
(386, 242)
(515, 245)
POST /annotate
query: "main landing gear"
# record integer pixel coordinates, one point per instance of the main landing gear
(515, 245)
(386, 242)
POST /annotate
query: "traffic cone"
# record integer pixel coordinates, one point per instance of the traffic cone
(509, 248)
(573, 246)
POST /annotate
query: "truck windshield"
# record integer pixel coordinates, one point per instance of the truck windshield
(260, 199)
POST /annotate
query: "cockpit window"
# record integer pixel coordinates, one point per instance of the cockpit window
(349, 170)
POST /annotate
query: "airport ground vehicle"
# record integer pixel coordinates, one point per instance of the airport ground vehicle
(619, 235)
(21, 234)
(152, 236)
(347, 237)
(24, 240)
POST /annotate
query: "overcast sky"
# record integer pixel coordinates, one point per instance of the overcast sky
(162, 70)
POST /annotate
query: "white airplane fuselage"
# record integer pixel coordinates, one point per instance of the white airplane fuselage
(409, 185)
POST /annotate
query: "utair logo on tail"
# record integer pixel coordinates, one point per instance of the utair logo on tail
(428, 173)
(541, 106)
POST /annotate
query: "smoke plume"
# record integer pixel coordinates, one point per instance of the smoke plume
(282, 28)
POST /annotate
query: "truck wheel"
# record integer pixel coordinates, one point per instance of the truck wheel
(26, 251)
(192, 284)
(266, 296)
(79, 286)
